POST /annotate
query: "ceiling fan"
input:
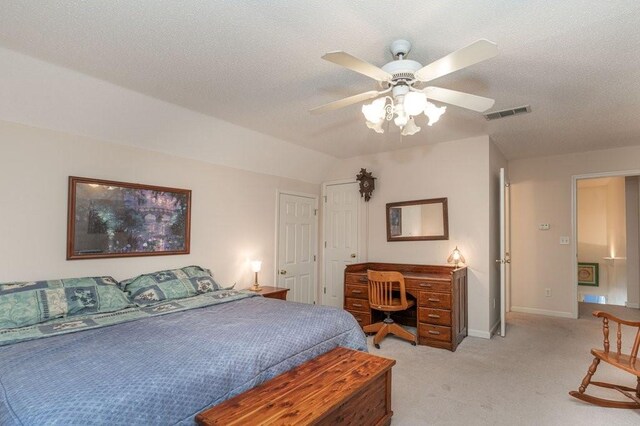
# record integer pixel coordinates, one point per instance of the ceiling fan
(405, 80)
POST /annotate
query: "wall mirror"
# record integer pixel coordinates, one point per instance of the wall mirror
(418, 220)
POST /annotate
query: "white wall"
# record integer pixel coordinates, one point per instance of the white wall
(541, 193)
(496, 162)
(458, 170)
(233, 211)
(43, 95)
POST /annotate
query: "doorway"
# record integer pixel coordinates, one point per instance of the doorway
(341, 237)
(297, 246)
(606, 241)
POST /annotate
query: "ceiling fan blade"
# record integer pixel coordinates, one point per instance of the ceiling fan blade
(472, 54)
(358, 65)
(345, 102)
(460, 99)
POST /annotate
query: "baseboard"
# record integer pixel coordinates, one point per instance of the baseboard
(632, 305)
(479, 333)
(541, 312)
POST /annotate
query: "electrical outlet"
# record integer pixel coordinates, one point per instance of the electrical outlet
(564, 240)
(544, 226)
(547, 292)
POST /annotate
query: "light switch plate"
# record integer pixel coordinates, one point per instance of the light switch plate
(564, 240)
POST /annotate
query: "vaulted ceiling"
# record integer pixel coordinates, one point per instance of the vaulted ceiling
(257, 64)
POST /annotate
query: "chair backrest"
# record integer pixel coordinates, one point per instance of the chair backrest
(381, 287)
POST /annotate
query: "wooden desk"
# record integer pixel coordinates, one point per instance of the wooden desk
(440, 314)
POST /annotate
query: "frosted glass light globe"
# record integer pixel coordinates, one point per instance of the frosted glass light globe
(374, 112)
(414, 103)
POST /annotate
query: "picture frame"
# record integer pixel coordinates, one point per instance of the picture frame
(108, 219)
(588, 274)
(395, 221)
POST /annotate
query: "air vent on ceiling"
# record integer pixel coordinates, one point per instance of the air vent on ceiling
(494, 115)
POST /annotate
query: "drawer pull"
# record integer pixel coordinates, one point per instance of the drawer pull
(364, 279)
(357, 305)
(431, 299)
(358, 319)
(434, 332)
(433, 316)
(429, 285)
(356, 291)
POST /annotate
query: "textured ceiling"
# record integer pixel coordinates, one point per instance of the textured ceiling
(257, 64)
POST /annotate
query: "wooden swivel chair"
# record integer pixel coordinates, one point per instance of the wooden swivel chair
(617, 359)
(385, 297)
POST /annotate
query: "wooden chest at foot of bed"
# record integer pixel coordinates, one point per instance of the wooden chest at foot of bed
(343, 386)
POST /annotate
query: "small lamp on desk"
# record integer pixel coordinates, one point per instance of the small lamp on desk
(255, 267)
(456, 257)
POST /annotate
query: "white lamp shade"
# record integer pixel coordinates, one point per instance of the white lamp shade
(256, 265)
(377, 127)
(433, 113)
(410, 128)
(415, 103)
(374, 112)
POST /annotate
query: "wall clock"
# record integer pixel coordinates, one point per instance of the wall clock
(367, 184)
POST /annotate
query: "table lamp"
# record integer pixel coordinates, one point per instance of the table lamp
(255, 267)
(456, 257)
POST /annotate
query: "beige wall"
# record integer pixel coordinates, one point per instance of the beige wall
(541, 193)
(600, 207)
(632, 196)
(458, 170)
(233, 214)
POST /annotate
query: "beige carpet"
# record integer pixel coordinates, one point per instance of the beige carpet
(523, 379)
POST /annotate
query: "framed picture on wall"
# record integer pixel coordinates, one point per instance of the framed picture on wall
(588, 274)
(119, 219)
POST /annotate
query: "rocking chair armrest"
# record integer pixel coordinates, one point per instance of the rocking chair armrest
(601, 314)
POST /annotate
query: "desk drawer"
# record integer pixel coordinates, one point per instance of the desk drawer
(434, 332)
(362, 318)
(356, 279)
(434, 300)
(416, 284)
(435, 316)
(357, 305)
(357, 291)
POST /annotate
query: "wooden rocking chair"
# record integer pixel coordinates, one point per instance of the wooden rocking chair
(628, 363)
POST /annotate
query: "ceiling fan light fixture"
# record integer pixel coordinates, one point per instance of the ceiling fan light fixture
(401, 116)
(375, 111)
(415, 103)
(433, 113)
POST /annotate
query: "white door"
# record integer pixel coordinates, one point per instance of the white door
(505, 257)
(341, 215)
(297, 247)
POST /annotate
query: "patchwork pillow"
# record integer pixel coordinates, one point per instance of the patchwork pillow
(32, 302)
(159, 286)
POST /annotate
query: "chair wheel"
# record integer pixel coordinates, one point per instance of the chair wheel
(377, 346)
(413, 343)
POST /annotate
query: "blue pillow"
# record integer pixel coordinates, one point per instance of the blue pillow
(32, 302)
(171, 284)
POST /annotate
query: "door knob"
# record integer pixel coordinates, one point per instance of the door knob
(283, 272)
(353, 255)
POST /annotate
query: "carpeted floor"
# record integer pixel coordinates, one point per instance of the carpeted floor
(523, 379)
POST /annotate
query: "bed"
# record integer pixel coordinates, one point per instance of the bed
(161, 365)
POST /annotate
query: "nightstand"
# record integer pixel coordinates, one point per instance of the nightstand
(274, 292)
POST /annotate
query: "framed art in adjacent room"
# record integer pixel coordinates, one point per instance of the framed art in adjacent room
(119, 219)
(588, 274)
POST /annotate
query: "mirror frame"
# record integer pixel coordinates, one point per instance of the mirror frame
(445, 220)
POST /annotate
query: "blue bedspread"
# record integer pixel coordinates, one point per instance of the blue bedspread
(163, 370)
